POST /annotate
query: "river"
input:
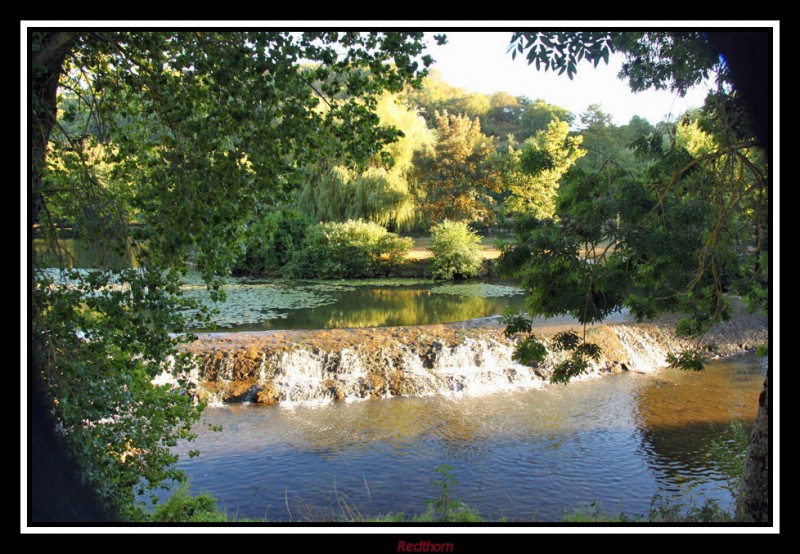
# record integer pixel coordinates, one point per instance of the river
(527, 455)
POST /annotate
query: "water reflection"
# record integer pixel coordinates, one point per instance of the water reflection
(681, 413)
(376, 306)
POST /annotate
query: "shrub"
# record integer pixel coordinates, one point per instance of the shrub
(730, 453)
(456, 251)
(273, 241)
(347, 250)
(183, 507)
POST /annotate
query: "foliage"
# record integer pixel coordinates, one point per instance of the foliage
(538, 115)
(515, 323)
(438, 96)
(379, 193)
(455, 178)
(347, 250)
(169, 144)
(660, 60)
(338, 194)
(679, 239)
(688, 359)
(661, 511)
(694, 230)
(446, 508)
(730, 452)
(397, 111)
(182, 507)
(609, 149)
(102, 338)
(562, 51)
(456, 251)
(548, 258)
(532, 351)
(501, 114)
(533, 173)
(578, 361)
(272, 242)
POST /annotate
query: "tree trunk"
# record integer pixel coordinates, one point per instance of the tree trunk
(749, 57)
(56, 495)
(48, 52)
(754, 496)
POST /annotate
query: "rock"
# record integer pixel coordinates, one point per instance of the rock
(269, 394)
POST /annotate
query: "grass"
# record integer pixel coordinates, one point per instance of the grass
(661, 511)
(182, 507)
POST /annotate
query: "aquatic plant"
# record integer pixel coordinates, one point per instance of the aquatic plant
(483, 290)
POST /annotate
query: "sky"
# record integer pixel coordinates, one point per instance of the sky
(478, 61)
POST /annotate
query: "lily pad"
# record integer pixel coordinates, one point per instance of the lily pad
(247, 303)
(379, 282)
(482, 290)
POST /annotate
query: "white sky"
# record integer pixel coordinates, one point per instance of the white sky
(478, 61)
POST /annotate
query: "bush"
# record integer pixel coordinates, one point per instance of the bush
(347, 250)
(183, 507)
(273, 242)
(456, 251)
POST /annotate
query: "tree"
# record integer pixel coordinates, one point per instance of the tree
(534, 173)
(539, 114)
(594, 116)
(438, 96)
(380, 193)
(503, 118)
(505, 107)
(200, 129)
(691, 234)
(456, 176)
(610, 149)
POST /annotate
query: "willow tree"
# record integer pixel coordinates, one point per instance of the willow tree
(199, 129)
(380, 192)
(692, 233)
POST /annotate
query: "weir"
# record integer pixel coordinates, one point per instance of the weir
(469, 358)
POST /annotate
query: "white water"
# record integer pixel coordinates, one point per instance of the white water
(524, 455)
(476, 365)
(644, 351)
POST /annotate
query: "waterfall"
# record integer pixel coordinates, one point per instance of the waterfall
(352, 364)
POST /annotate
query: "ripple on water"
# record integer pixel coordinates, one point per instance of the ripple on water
(619, 441)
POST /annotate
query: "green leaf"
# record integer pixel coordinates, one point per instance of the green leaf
(530, 351)
(566, 340)
(689, 359)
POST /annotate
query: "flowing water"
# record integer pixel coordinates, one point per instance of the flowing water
(415, 398)
(526, 455)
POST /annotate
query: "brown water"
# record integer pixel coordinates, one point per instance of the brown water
(527, 456)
